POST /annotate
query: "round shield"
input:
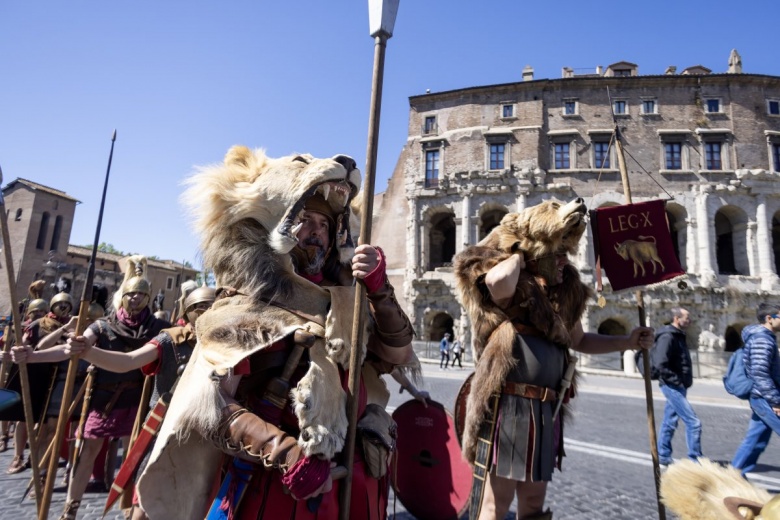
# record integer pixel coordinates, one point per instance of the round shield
(460, 407)
(432, 480)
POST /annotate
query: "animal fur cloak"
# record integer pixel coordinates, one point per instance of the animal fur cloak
(539, 232)
(248, 212)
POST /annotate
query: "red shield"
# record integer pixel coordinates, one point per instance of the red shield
(432, 479)
(460, 407)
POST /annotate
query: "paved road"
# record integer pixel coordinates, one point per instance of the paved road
(607, 472)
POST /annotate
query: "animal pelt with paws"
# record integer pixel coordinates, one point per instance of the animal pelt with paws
(705, 490)
(538, 232)
(247, 212)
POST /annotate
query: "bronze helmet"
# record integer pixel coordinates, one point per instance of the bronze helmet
(199, 295)
(62, 297)
(38, 304)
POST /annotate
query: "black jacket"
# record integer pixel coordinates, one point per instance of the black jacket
(670, 355)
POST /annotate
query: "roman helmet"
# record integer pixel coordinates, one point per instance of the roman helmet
(199, 295)
(62, 297)
(39, 305)
(186, 288)
(135, 282)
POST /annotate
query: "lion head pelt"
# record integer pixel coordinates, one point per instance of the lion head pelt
(247, 212)
(252, 200)
(540, 231)
(704, 490)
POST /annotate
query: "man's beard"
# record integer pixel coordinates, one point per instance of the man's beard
(315, 254)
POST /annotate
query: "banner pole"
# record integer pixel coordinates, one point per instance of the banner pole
(640, 306)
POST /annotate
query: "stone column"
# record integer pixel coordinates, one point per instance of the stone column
(764, 242)
(466, 220)
(706, 253)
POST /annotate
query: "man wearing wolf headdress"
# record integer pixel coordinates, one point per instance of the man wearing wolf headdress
(525, 301)
(276, 233)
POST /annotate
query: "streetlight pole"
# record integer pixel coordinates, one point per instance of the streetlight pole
(381, 14)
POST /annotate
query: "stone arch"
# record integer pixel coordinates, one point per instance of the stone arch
(438, 324)
(612, 327)
(677, 216)
(441, 239)
(490, 216)
(733, 337)
(731, 241)
(776, 240)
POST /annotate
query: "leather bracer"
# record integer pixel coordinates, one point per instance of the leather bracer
(245, 435)
(393, 327)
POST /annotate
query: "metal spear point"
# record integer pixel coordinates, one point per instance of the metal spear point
(17, 323)
(382, 14)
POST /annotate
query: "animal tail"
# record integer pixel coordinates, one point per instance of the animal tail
(643, 237)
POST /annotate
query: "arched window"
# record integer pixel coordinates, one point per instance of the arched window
(676, 216)
(41, 242)
(489, 220)
(612, 327)
(731, 241)
(776, 241)
(441, 240)
(18, 216)
(55, 236)
(733, 337)
(440, 324)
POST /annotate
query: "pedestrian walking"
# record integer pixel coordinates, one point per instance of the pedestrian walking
(762, 365)
(444, 349)
(673, 360)
(457, 350)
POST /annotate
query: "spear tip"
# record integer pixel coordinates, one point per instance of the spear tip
(113, 137)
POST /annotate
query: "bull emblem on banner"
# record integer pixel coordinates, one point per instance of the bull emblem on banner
(640, 252)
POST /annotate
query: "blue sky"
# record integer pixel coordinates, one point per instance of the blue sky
(183, 81)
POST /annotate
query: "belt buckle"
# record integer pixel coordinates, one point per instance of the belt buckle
(520, 389)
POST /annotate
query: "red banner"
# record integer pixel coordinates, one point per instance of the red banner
(633, 245)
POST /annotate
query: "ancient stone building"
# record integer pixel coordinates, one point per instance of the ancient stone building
(40, 220)
(708, 143)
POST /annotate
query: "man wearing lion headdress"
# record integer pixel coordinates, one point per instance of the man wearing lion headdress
(525, 301)
(276, 233)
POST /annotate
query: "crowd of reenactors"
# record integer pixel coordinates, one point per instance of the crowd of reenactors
(128, 357)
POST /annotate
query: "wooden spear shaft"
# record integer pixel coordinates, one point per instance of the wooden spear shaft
(29, 420)
(640, 305)
(359, 316)
(81, 325)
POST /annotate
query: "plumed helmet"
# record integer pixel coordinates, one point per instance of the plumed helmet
(38, 304)
(62, 297)
(199, 295)
(135, 279)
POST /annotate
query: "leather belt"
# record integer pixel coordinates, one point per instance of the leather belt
(530, 391)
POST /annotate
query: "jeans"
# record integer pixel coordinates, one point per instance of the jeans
(445, 359)
(678, 407)
(762, 423)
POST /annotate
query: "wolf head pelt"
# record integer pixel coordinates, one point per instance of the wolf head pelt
(703, 490)
(540, 231)
(247, 212)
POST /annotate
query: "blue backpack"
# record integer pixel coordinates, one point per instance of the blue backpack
(736, 380)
